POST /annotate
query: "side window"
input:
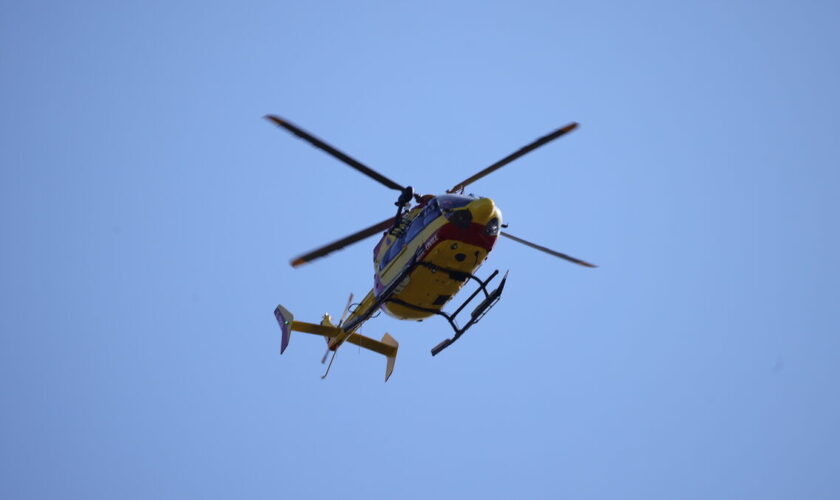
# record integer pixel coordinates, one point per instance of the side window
(423, 219)
(415, 227)
(392, 252)
(431, 212)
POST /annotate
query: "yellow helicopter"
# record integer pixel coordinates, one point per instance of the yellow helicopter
(426, 254)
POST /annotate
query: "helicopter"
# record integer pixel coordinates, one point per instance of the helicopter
(426, 254)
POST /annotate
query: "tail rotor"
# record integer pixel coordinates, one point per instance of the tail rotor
(340, 322)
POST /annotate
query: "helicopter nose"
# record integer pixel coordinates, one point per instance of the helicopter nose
(482, 210)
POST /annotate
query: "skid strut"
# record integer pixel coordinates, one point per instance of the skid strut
(490, 299)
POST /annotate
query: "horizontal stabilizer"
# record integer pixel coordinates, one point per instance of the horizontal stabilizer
(387, 347)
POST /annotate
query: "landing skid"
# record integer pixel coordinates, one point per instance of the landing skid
(490, 299)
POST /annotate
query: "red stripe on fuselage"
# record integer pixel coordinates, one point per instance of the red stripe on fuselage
(473, 235)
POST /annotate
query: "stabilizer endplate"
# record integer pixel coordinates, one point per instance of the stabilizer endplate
(391, 341)
(285, 320)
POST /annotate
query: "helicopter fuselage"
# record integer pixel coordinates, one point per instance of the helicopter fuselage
(431, 250)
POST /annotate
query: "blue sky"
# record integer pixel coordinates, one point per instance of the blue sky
(149, 214)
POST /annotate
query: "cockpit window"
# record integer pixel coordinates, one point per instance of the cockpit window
(453, 201)
(431, 212)
(392, 252)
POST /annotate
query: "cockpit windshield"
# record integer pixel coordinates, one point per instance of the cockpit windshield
(453, 201)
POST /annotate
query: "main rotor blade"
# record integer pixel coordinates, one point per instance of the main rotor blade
(343, 242)
(318, 143)
(509, 158)
(547, 250)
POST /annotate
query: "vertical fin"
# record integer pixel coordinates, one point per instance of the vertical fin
(285, 320)
(389, 368)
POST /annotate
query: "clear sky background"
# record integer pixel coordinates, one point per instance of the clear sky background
(149, 214)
